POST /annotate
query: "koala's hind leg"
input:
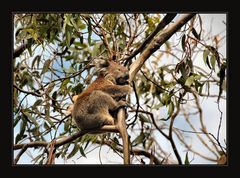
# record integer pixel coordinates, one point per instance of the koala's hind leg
(102, 103)
(95, 121)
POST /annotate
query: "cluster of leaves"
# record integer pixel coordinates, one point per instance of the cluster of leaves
(63, 40)
(33, 77)
(55, 67)
(169, 86)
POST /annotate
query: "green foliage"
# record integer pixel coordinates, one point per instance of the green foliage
(110, 22)
(140, 139)
(151, 22)
(74, 151)
(56, 65)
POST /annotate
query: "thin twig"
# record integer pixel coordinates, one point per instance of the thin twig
(27, 92)
(190, 148)
(197, 134)
(154, 122)
(166, 20)
(132, 151)
(220, 122)
(171, 137)
(204, 129)
(138, 104)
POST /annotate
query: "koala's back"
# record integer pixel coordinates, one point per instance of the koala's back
(98, 84)
(83, 106)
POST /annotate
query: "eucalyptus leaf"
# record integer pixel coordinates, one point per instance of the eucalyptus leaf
(46, 66)
(189, 81)
(64, 84)
(82, 152)
(18, 118)
(66, 126)
(143, 118)
(18, 138)
(89, 31)
(74, 151)
(186, 162)
(36, 59)
(74, 24)
(213, 61)
(139, 139)
(54, 95)
(194, 32)
(50, 87)
(170, 108)
(205, 55)
(32, 119)
(208, 64)
(46, 126)
(37, 103)
(157, 106)
(23, 125)
(68, 37)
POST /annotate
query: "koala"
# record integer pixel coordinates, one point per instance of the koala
(98, 104)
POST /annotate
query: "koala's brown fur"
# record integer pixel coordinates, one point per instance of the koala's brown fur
(95, 106)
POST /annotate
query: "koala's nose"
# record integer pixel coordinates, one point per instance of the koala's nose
(126, 76)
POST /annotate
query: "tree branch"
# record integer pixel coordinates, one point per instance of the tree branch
(133, 151)
(106, 128)
(27, 92)
(122, 128)
(190, 147)
(24, 148)
(171, 137)
(154, 122)
(166, 20)
(156, 43)
(17, 52)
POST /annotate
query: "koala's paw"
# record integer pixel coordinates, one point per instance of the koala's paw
(69, 109)
(128, 88)
(75, 98)
(122, 103)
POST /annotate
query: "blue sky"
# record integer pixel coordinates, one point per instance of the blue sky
(213, 22)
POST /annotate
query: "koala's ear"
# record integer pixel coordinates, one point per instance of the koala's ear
(104, 63)
(101, 63)
(103, 70)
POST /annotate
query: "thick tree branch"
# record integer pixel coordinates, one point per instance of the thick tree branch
(157, 42)
(136, 66)
(68, 139)
(122, 128)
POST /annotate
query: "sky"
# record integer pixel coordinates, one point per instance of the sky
(213, 22)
